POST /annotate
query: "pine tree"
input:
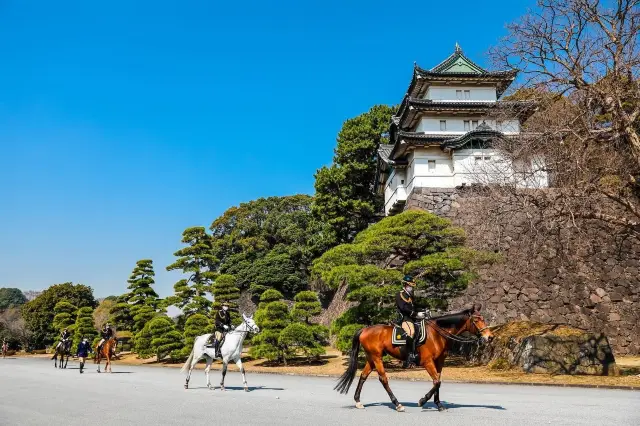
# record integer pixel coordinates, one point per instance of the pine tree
(143, 300)
(272, 317)
(120, 313)
(195, 326)
(64, 315)
(164, 336)
(198, 261)
(306, 305)
(142, 343)
(298, 338)
(84, 326)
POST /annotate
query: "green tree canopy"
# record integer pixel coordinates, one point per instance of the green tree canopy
(299, 339)
(84, 325)
(199, 263)
(345, 197)
(39, 312)
(272, 317)
(428, 247)
(140, 283)
(224, 289)
(164, 336)
(142, 342)
(306, 305)
(120, 313)
(268, 243)
(196, 325)
(11, 298)
(64, 315)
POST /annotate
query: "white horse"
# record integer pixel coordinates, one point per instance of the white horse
(231, 350)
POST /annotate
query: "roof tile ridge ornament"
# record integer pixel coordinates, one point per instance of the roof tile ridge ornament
(458, 48)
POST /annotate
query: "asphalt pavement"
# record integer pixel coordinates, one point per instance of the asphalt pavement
(32, 392)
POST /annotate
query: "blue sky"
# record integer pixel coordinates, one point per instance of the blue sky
(123, 123)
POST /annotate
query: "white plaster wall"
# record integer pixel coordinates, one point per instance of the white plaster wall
(395, 189)
(455, 125)
(448, 93)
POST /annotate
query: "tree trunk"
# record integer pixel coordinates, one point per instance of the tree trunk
(634, 141)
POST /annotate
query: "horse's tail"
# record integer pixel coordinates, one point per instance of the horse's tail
(344, 383)
(187, 365)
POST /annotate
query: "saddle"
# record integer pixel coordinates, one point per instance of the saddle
(399, 336)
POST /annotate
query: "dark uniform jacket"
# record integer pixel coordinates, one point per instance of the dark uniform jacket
(222, 318)
(404, 303)
(83, 349)
(107, 333)
(65, 335)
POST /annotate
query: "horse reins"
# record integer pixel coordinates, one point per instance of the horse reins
(448, 335)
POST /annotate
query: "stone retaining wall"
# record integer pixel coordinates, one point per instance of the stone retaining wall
(587, 278)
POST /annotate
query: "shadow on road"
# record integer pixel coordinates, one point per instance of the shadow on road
(429, 406)
(238, 388)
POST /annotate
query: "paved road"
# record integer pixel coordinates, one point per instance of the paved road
(32, 392)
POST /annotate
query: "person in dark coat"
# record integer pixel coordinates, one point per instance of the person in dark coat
(404, 303)
(84, 349)
(222, 326)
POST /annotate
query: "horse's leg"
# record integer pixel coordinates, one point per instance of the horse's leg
(363, 377)
(55, 360)
(244, 378)
(224, 373)
(436, 398)
(382, 376)
(430, 366)
(207, 369)
(194, 361)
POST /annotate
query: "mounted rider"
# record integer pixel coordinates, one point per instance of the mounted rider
(405, 305)
(84, 349)
(107, 333)
(64, 339)
(222, 327)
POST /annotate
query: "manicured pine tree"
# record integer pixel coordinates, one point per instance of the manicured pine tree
(64, 315)
(195, 326)
(164, 336)
(272, 317)
(307, 305)
(198, 262)
(120, 314)
(142, 342)
(143, 300)
(84, 326)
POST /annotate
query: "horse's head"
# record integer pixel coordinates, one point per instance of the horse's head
(251, 324)
(477, 325)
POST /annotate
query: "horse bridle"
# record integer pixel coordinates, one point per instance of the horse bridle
(251, 329)
(448, 335)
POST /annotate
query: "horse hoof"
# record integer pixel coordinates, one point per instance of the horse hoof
(246, 389)
(359, 406)
(441, 408)
(400, 408)
(222, 389)
(186, 386)
(422, 402)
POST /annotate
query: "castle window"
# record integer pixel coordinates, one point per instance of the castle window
(467, 94)
(458, 94)
(474, 124)
(432, 166)
(467, 125)
(443, 125)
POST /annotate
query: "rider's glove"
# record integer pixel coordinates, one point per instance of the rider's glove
(421, 315)
(226, 327)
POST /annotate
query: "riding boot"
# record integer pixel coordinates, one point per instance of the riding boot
(81, 367)
(216, 346)
(409, 362)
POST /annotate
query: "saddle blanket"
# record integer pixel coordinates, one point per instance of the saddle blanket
(399, 336)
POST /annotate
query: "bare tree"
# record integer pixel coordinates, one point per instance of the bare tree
(11, 320)
(579, 60)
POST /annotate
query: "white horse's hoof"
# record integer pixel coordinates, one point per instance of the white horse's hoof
(222, 389)
(359, 406)
(246, 389)
(400, 408)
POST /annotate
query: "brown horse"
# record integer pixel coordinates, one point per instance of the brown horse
(105, 352)
(376, 342)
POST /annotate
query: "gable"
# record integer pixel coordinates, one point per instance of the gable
(461, 65)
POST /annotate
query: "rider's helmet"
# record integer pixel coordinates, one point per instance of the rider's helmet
(408, 280)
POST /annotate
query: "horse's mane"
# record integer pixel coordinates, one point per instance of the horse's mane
(452, 319)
